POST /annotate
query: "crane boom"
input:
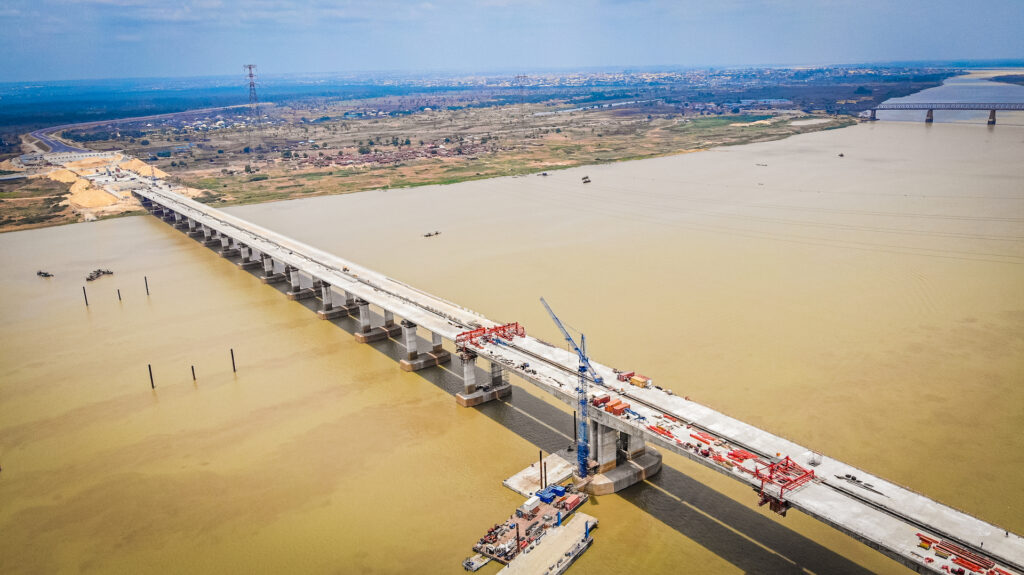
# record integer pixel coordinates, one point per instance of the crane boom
(584, 360)
(582, 442)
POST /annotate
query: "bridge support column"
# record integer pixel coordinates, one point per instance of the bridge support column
(228, 247)
(633, 445)
(270, 274)
(250, 258)
(604, 442)
(181, 222)
(169, 215)
(330, 310)
(468, 372)
(420, 360)
(298, 292)
(194, 230)
(499, 376)
(367, 334)
(929, 117)
(873, 115)
(497, 387)
(209, 240)
(409, 339)
(639, 463)
(991, 117)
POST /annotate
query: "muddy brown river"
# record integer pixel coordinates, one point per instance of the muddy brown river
(869, 306)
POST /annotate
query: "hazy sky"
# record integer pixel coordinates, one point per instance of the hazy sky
(70, 39)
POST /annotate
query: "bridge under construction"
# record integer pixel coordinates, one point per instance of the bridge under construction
(629, 417)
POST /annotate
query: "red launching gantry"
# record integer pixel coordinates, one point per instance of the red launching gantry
(778, 478)
(484, 334)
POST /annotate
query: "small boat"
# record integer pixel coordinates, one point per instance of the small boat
(43, 274)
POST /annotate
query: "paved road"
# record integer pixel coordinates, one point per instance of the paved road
(55, 145)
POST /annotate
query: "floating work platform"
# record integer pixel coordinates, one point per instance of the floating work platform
(475, 562)
(559, 548)
(528, 481)
(531, 524)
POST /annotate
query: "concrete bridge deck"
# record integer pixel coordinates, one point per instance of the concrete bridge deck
(887, 517)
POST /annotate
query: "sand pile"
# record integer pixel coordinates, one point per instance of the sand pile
(9, 166)
(90, 163)
(61, 175)
(138, 166)
(85, 195)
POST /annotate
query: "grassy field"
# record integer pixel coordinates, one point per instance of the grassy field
(32, 203)
(608, 138)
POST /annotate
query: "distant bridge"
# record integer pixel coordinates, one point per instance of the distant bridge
(931, 106)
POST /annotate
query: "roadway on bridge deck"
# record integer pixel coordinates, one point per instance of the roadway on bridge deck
(888, 522)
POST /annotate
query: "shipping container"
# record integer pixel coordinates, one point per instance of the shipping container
(601, 399)
(531, 505)
(546, 496)
(611, 406)
(558, 490)
(624, 376)
(640, 380)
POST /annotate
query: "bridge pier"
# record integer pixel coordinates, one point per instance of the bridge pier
(621, 459)
(250, 257)
(929, 117)
(633, 445)
(194, 230)
(991, 117)
(209, 240)
(604, 444)
(414, 359)
(180, 222)
(873, 115)
(270, 273)
(472, 394)
(228, 247)
(331, 310)
(297, 292)
(367, 334)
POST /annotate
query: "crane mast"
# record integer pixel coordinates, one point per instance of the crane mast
(582, 443)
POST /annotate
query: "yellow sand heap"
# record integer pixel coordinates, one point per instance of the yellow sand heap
(85, 195)
(142, 168)
(61, 175)
(91, 163)
(9, 166)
